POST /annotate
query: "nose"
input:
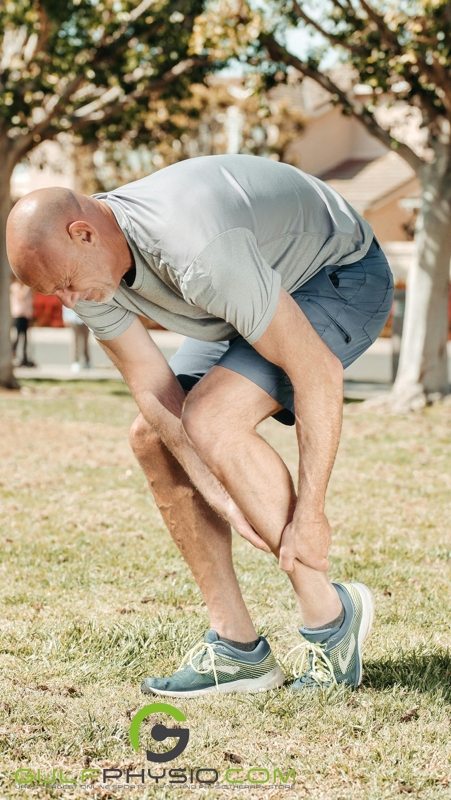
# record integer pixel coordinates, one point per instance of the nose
(68, 298)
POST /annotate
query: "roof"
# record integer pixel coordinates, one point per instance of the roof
(365, 184)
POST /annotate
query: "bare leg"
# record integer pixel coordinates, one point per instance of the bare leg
(202, 537)
(220, 418)
(16, 339)
(85, 337)
(74, 343)
(25, 344)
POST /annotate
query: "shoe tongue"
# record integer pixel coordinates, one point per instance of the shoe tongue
(319, 636)
(211, 636)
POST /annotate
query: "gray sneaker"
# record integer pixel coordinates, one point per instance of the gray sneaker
(333, 656)
(215, 666)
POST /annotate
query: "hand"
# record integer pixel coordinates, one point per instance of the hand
(240, 524)
(308, 541)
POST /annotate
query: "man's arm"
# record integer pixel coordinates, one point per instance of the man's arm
(160, 399)
(317, 377)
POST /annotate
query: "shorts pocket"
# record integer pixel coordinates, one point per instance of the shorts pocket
(380, 306)
(347, 280)
(373, 296)
(319, 317)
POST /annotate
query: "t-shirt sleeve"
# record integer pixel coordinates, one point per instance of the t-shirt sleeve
(104, 320)
(230, 279)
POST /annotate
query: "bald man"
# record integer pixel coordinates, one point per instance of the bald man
(278, 284)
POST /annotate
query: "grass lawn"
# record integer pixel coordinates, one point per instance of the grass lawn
(94, 597)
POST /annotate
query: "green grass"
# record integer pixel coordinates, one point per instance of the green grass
(82, 546)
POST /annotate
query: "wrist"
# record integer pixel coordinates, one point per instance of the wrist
(308, 512)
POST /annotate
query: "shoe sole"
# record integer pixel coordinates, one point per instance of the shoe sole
(368, 610)
(272, 680)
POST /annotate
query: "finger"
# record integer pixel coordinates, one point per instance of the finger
(241, 525)
(254, 539)
(286, 561)
(319, 564)
(258, 542)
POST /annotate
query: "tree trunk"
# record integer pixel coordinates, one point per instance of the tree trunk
(423, 364)
(7, 379)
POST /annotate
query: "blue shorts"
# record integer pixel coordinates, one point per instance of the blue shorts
(347, 306)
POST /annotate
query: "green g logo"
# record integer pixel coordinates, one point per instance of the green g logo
(160, 732)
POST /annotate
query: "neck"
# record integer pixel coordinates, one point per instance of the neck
(116, 240)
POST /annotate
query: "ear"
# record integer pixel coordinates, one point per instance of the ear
(81, 231)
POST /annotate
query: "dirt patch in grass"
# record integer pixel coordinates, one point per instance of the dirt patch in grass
(94, 597)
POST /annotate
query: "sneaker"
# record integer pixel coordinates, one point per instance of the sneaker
(331, 656)
(214, 666)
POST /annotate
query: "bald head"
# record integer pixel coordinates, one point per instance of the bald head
(64, 243)
(36, 224)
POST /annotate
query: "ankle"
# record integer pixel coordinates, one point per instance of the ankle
(321, 614)
(234, 629)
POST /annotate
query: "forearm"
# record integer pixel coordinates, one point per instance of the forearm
(169, 428)
(318, 408)
(317, 378)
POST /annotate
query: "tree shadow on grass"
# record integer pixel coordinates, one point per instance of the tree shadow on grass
(423, 669)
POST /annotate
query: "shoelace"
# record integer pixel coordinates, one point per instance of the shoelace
(201, 647)
(312, 659)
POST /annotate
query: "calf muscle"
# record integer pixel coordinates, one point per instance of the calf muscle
(203, 537)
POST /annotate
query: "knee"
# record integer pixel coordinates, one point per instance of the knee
(142, 437)
(193, 421)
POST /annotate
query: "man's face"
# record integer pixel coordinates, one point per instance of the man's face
(77, 275)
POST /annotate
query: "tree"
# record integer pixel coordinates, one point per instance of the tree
(402, 52)
(219, 116)
(88, 67)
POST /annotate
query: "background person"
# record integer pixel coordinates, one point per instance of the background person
(80, 339)
(21, 304)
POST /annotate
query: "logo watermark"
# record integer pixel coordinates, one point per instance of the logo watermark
(159, 732)
(188, 777)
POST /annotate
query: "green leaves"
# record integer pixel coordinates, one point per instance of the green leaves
(400, 50)
(84, 65)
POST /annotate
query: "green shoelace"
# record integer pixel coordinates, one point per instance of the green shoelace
(198, 649)
(312, 659)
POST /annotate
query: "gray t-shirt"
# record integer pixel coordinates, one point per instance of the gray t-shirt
(214, 238)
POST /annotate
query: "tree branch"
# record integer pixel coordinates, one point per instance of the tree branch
(41, 46)
(119, 38)
(280, 53)
(435, 71)
(442, 79)
(382, 26)
(100, 116)
(299, 11)
(23, 144)
(44, 28)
